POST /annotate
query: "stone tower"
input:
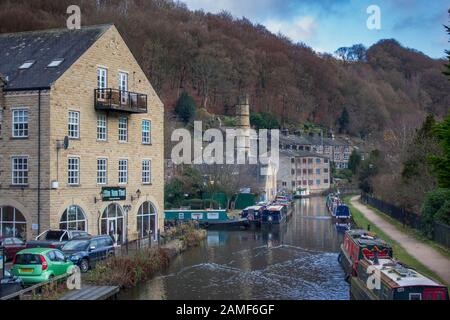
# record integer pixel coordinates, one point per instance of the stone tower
(243, 124)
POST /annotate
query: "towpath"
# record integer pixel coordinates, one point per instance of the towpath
(427, 255)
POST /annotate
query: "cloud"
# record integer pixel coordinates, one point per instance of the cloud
(300, 29)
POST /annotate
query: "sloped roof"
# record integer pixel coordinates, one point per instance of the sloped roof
(301, 153)
(43, 47)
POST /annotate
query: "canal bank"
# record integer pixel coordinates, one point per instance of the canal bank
(297, 260)
(406, 248)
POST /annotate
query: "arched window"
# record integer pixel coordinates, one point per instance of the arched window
(147, 222)
(112, 222)
(12, 223)
(73, 218)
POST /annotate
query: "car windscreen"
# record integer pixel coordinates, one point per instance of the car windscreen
(27, 258)
(53, 235)
(78, 245)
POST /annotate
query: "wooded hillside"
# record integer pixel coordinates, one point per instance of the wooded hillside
(216, 57)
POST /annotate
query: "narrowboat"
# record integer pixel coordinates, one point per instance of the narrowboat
(273, 215)
(282, 200)
(341, 212)
(302, 193)
(359, 244)
(387, 279)
(218, 219)
(253, 214)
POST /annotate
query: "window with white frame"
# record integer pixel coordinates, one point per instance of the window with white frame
(74, 125)
(19, 170)
(102, 80)
(123, 87)
(146, 171)
(102, 128)
(123, 129)
(20, 123)
(102, 171)
(146, 131)
(123, 171)
(73, 171)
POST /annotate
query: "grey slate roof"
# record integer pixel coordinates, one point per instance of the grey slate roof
(301, 153)
(42, 47)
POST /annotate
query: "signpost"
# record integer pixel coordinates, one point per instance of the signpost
(114, 194)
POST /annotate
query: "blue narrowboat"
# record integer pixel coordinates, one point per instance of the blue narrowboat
(341, 211)
(274, 215)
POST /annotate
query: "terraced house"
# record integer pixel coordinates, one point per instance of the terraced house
(81, 140)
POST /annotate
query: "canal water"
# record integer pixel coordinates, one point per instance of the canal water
(295, 261)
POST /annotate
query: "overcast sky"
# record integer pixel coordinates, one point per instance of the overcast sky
(326, 25)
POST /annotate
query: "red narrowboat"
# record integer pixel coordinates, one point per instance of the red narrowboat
(359, 244)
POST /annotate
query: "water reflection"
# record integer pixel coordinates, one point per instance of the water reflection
(297, 260)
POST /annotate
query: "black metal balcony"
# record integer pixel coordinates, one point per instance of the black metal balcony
(122, 101)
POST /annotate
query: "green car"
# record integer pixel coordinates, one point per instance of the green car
(40, 265)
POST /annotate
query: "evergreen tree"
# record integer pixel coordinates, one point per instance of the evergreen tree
(185, 107)
(343, 121)
(447, 72)
(354, 161)
(441, 162)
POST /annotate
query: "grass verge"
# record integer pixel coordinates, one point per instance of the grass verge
(399, 252)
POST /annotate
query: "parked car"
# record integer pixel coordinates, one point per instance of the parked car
(85, 252)
(55, 238)
(40, 264)
(10, 284)
(12, 246)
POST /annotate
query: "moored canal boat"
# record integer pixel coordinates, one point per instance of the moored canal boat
(253, 214)
(217, 219)
(274, 215)
(387, 279)
(341, 212)
(359, 244)
(301, 193)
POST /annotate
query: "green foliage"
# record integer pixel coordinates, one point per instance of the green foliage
(441, 162)
(417, 153)
(190, 183)
(185, 107)
(344, 121)
(229, 121)
(354, 161)
(435, 207)
(343, 174)
(368, 169)
(264, 120)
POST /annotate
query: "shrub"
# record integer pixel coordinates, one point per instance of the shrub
(128, 271)
(433, 208)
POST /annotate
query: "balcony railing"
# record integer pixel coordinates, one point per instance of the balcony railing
(118, 100)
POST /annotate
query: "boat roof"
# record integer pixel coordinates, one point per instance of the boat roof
(275, 208)
(256, 208)
(402, 275)
(365, 237)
